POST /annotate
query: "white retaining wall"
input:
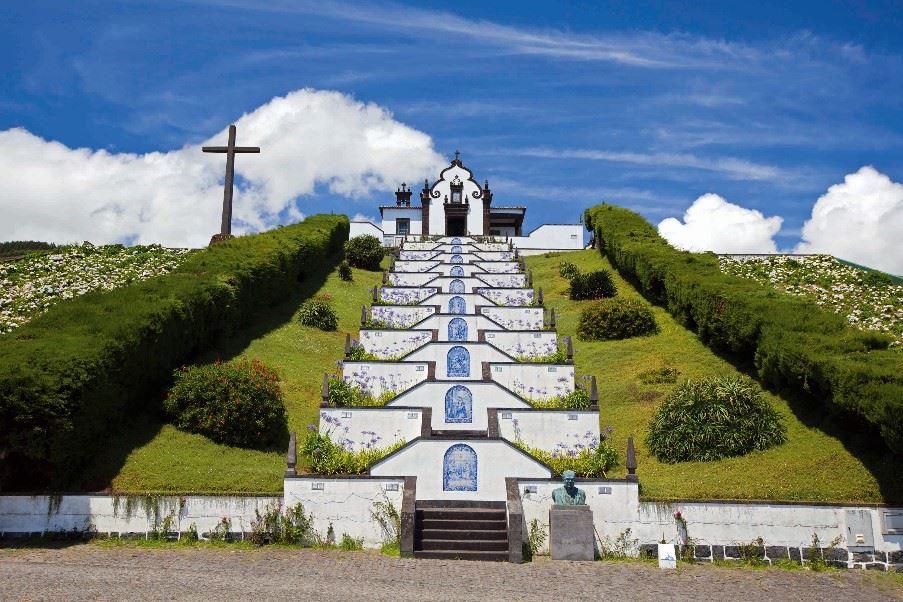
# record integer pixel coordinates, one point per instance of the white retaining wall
(393, 343)
(411, 278)
(415, 266)
(377, 378)
(365, 428)
(346, 503)
(499, 267)
(551, 237)
(438, 352)
(503, 280)
(401, 316)
(508, 297)
(406, 295)
(541, 343)
(485, 396)
(516, 318)
(535, 381)
(551, 430)
(496, 460)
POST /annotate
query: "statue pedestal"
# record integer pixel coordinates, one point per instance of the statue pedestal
(571, 533)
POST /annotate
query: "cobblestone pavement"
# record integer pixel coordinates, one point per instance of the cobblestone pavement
(89, 571)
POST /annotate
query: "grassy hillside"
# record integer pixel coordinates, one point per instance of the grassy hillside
(152, 456)
(814, 464)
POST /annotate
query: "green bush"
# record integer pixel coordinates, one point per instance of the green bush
(326, 457)
(345, 272)
(713, 418)
(615, 319)
(235, 403)
(365, 252)
(292, 528)
(795, 345)
(68, 376)
(592, 285)
(578, 399)
(318, 312)
(568, 270)
(590, 461)
(659, 376)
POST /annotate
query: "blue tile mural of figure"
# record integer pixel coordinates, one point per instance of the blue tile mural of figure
(457, 330)
(457, 271)
(457, 249)
(456, 241)
(457, 305)
(456, 287)
(459, 404)
(457, 259)
(459, 468)
(458, 361)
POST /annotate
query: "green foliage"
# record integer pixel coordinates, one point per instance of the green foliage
(328, 458)
(357, 353)
(388, 518)
(318, 312)
(235, 403)
(292, 527)
(623, 546)
(365, 252)
(221, 530)
(795, 345)
(592, 285)
(345, 272)
(536, 537)
(578, 399)
(20, 247)
(616, 319)
(568, 270)
(71, 374)
(342, 394)
(713, 418)
(590, 461)
(658, 376)
(191, 535)
(351, 544)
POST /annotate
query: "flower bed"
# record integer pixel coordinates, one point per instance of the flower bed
(868, 300)
(34, 284)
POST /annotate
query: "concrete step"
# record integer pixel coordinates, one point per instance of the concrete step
(462, 555)
(483, 545)
(486, 534)
(457, 525)
(462, 514)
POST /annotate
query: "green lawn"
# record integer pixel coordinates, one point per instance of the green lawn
(811, 465)
(152, 456)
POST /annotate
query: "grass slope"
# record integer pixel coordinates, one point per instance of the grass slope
(812, 465)
(160, 458)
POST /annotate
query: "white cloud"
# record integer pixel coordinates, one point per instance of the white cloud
(308, 137)
(860, 220)
(713, 224)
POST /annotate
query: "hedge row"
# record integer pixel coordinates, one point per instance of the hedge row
(68, 376)
(794, 344)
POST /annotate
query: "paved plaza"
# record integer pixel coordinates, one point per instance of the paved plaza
(95, 572)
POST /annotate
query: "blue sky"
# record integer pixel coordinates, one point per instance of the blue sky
(560, 105)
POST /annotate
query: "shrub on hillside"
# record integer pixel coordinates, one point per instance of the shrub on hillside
(615, 319)
(568, 270)
(713, 418)
(235, 403)
(345, 272)
(317, 312)
(592, 285)
(365, 252)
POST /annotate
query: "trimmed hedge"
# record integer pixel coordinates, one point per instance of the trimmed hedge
(611, 319)
(69, 375)
(794, 344)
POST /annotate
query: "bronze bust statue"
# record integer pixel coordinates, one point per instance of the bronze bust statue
(569, 495)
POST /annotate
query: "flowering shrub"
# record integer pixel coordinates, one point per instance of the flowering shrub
(589, 456)
(35, 283)
(713, 418)
(327, 457)
(365, 252)
(318, 312)
(235, 403)
(615, 319)
(343, 393)
(592, 285)
(868, 300)
(578, 399)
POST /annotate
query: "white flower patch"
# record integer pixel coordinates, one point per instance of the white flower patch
(32, 285)
(866, 303)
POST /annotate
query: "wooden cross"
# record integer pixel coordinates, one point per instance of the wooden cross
(457, 157)
(230, 150)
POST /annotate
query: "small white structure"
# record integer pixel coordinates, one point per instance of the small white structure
(456, 205)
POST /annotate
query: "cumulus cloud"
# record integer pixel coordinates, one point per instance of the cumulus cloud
(714, 224)
(860, 220)
(308, 138)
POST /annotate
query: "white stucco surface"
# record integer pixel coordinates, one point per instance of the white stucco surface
(393, 343)
(432, 395)
(471, 300)
(552, 430)
(377, 378)
(559, 237)
(400, 316)
(411, 278)
(516, 318)
(346, 503)
(438, 352)
(366, 428)
(535, 381)
(440, 322)
(503, 280)
(540, 343)
(499, 267)
(364, 229)
(495, 461)
(415, 266)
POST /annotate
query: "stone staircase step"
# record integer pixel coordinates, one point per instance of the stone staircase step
(472, 525)
(462, 555)
(458, 545)
(461, 514)
(448, 534)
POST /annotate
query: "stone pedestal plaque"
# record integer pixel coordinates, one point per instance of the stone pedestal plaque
(571, 533)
